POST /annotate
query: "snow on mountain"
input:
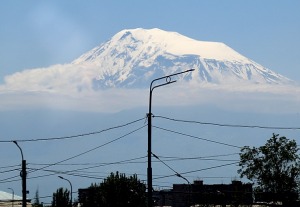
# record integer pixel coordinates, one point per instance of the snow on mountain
(132, 58)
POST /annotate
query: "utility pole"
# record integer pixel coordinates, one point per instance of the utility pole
(23, 176)
(168, 80)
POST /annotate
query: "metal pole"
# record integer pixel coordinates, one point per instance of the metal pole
(149, 170)
(189, 186)
(23, 175)
(24, 192)
(13, 197)
(70, 186)
(168, 80)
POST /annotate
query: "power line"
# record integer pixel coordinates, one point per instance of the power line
(132, 161)
(55, 172)
(53, 164)
(195, 137)
(73, 136)
(102, 145)
(209, 168)
(210, 157)
(99, 165)
(8, 180)
(198, 157)
(6, 171)
(218, 166)
(10, 166)
(176, 173)
(154, 155)
(128, 161)
(227, 125)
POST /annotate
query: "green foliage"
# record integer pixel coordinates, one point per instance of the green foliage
(117, 190)
(36, 201)
(61, 198)
(274, 167)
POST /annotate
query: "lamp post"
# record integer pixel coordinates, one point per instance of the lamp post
(168, 80)
(70, 186)
(189, 185)
(13, 197)
(23, 176)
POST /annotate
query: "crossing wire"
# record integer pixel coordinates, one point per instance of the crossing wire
(195, 137)
(226, 125)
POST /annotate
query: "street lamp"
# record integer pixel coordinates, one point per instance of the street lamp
(13, 197)
(70, 186)
(168, 80)
(23, 176)
(189, 185)
(176, 173)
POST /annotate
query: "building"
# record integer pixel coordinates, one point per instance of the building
(183, 195)
(11, 200)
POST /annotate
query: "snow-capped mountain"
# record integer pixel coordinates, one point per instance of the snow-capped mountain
(132, 58)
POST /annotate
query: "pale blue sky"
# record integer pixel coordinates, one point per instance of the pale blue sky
(41, 33)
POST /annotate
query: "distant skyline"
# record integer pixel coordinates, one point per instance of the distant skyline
(38, 34)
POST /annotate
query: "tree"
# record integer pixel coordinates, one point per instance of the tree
(36, 201)
(61, 198)
(116, 190)
(274, 168)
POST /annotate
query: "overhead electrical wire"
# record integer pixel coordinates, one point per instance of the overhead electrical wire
(176, 173)
(8, 180)
(226, 125)
(154, 155)
(10, 166)
(73, 136)
(210, 157)
(6, 171)
(80, 154)
(208, 168)
(102, 145)
(97, 164)
(132, 160)
(83, 174)
(55, 172)
(168, 158)
(127, 161)
(198, 157)
(195, 137)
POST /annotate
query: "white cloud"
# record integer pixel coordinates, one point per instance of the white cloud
(69, 87)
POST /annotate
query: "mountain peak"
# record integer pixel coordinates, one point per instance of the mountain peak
(177, 44)
(174, 43)
(135, 56)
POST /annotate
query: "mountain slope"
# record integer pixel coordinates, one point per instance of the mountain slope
(132, 58)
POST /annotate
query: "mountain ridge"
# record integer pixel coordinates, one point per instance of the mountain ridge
(134, 56)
